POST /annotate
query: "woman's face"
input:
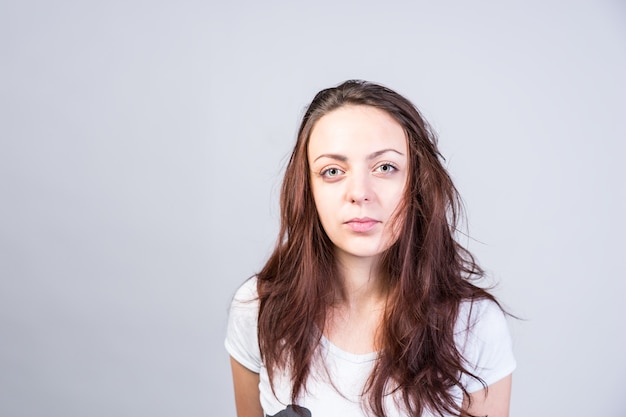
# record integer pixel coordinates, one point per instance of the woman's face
(358, 158)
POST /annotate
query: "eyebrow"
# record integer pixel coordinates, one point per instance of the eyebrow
(344, 158)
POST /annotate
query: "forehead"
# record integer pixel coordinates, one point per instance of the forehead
(356, 129)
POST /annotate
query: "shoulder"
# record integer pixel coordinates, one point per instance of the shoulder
(241, 334)
(246, 294)
(244, 306)
(479, 315)
(483, 338)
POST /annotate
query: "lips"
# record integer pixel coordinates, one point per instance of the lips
(361, 225)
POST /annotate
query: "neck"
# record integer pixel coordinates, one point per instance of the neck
(354, 320)
(361, 279)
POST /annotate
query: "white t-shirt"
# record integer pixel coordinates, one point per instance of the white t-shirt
(486, 348)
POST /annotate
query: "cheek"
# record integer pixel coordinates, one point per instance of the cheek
(322, 205)
(393, 197)
(395, 212)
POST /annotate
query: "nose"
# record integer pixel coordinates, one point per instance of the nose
(359, 189)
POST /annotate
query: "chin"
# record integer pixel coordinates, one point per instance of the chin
(362, 252)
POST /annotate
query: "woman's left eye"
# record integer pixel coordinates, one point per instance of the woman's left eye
(386, 168)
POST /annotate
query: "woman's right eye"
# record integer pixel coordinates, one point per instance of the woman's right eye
(331, 172)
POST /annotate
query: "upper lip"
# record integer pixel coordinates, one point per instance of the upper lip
(361, 220)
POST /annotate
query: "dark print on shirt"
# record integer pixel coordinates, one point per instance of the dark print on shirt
(290, 411)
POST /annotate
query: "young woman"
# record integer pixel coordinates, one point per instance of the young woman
(367, 306)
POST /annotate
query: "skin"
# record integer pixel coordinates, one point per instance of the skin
(247, 395)
(358, 161)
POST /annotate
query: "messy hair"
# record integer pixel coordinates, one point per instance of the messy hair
(426, 272)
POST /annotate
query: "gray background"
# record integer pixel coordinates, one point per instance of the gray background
(142, 145)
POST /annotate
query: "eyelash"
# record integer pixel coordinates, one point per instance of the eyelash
(324, 172)
(386, 164)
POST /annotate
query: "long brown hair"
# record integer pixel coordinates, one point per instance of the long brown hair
(427, 273)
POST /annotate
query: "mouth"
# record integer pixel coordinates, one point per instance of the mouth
(361, 225)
